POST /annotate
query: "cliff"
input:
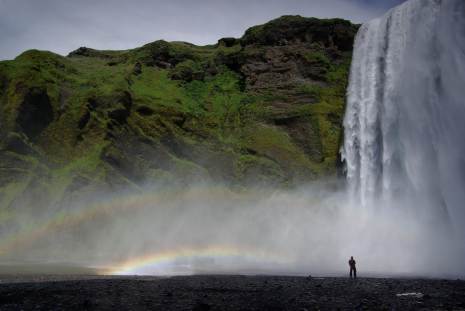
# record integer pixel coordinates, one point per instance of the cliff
(263, 109)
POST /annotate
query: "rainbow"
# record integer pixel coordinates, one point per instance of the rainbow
(158, 261)
(64, 220)
(34, 231)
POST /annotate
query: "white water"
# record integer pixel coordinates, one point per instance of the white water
(404, 144)
(405, 118)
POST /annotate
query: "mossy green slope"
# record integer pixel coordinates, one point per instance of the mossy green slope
(263, 109)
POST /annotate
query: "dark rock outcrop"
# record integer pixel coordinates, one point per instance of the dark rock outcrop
(336, 33)
(35, 113)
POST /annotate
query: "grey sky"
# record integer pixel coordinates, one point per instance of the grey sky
(64, 25)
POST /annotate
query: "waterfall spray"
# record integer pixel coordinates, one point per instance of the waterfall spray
(405, 110)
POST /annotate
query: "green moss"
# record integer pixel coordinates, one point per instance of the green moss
(188, 70)
(275, 144)
(250, 168)
(317, 57)
(311, 89)
(220, 101)
(154, 88)
(172, 52)
(86, 165)
(338, 75)
(329, 111)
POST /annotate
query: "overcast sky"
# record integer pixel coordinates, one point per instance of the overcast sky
(64, 25)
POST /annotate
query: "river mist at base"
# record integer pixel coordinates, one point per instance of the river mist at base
(312, 230)
(399, 212)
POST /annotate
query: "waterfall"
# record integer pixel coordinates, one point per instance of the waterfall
(404, 143)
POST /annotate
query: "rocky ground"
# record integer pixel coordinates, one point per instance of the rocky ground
(229, 293)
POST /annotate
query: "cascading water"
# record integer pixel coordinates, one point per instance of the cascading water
(405, 120)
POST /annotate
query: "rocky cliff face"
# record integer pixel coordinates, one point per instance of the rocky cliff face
(262, 109)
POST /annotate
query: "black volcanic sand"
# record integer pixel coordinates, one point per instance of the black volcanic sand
(227, 293)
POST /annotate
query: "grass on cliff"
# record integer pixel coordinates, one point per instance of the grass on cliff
(196, 85)
(329, 110)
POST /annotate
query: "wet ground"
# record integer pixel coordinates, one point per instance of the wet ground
(224, 292)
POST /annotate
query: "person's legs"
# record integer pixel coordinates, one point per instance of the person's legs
(351, 270)
(355, 273)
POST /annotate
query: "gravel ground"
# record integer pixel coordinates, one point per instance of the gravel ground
(223, 292)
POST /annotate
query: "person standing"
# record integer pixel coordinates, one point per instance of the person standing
(353, 269)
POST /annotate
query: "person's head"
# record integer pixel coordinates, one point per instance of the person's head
(352, 257)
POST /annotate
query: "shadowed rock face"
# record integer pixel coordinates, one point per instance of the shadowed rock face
(335, 33)
(262, 109)
(35, 113)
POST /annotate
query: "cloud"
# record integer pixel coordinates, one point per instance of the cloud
(62, 26)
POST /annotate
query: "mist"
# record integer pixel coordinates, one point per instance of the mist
(213, 229)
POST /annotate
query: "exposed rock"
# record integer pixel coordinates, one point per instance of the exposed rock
(84, 119)
(145, 111)
(119, 115)
(137, 69)
(228, 42)
(14, 142)
(334, 32)
(35, 113)
(82, 51)
(119, 107)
